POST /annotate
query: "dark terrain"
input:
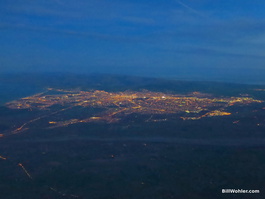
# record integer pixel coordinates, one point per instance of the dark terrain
(133, 158)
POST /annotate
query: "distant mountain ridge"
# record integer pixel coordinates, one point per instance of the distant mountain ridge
(28, 83)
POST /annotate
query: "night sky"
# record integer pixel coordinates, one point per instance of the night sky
(187, 39)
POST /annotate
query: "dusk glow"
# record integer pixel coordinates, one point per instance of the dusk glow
(132, 99)
(195, 40)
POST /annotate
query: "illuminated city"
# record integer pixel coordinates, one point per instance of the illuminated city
(132, 99)
(117, 105)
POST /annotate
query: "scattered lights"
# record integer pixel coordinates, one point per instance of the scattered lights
(120, 104)
(3, 158)
(132, 102)
(259, 89)
(19, 164)
(217, 113)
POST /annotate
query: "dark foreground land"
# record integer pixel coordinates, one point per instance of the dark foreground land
(134, 157)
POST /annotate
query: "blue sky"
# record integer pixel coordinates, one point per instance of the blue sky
(205, 39)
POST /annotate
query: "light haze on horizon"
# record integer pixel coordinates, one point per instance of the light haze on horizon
(220, 40)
